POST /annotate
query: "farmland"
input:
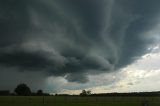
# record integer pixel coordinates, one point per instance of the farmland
(77, 101)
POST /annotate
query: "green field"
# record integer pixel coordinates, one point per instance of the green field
(77, 101)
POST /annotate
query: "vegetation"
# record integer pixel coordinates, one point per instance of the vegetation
(85, 93)
(40, 92)
(22, 90)
(24, 97)
(77, 101)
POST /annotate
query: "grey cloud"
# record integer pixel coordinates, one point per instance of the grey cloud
(10, 78)
(37, 58)
(72, 38)
(30, 59)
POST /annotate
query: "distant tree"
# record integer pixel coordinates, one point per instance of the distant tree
(85, 93)
(40, 92)
(88, 92)
(22, 90)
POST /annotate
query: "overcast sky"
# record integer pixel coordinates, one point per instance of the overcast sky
(64, 46)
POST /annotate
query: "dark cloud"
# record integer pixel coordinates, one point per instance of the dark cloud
(72, 38)
(10, 78)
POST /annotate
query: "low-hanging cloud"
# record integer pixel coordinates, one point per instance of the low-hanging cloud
(74, 38)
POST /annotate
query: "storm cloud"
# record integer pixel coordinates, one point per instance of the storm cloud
(75, 38)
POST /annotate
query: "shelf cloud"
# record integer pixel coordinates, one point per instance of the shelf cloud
(75, 38)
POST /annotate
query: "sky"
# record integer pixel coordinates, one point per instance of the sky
(64, 46)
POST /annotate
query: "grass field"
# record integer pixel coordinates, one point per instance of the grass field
(77, 101)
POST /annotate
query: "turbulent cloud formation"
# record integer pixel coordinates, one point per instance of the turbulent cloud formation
(74, 38)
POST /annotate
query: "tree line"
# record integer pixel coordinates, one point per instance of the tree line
(24, 90)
